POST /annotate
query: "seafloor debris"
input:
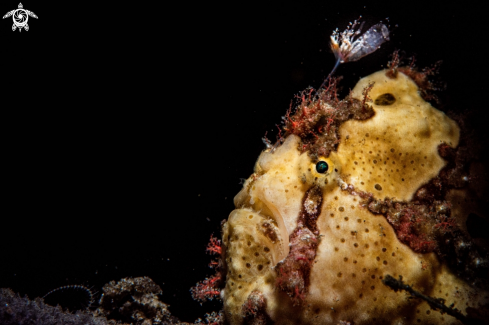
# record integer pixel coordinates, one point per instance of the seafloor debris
(130, 301)
(16, 310)
(133, 300)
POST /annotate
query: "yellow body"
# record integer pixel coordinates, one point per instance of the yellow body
(391, 154)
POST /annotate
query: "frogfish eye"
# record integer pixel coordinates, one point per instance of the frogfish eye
(322, 167)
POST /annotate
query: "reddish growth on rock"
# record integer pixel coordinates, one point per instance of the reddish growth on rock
(209, 288)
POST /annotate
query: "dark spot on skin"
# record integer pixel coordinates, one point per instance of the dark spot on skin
(385, 99)
(378, 187)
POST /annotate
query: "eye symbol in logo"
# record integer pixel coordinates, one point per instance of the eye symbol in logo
(20, 17)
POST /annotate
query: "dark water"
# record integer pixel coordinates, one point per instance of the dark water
(126, 127)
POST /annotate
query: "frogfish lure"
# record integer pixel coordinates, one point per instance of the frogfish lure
(348, 46)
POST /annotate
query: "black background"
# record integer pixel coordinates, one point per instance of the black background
(126, 127)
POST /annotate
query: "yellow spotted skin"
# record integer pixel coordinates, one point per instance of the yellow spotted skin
(390, 155)
(395, 152)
